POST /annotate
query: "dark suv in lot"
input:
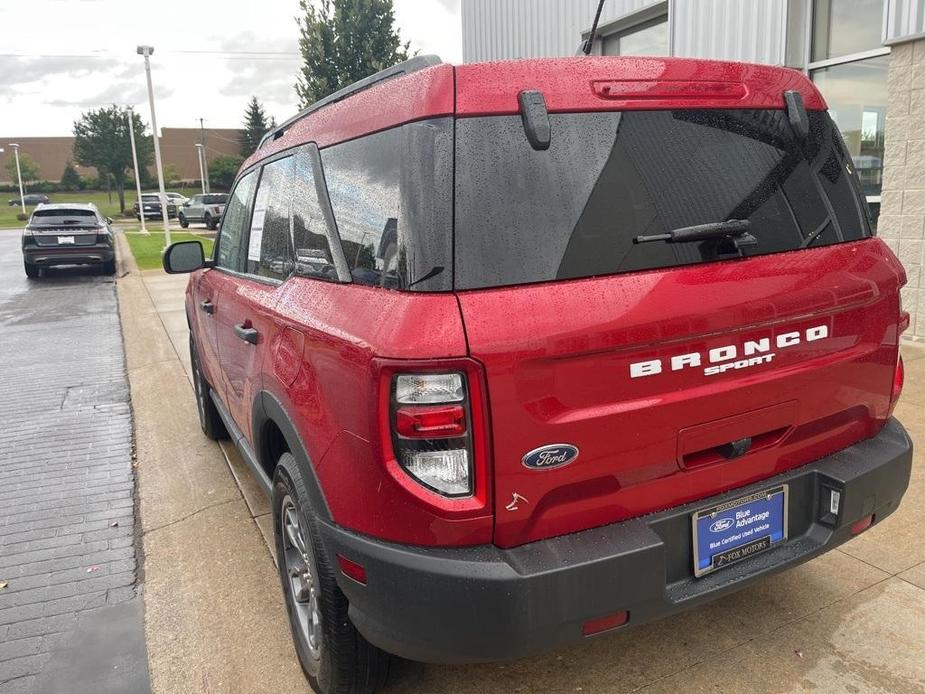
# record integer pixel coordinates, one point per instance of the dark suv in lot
(67, 234)
(525, 352)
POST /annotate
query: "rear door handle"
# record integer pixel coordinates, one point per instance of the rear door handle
(245, 333)
(207, 306)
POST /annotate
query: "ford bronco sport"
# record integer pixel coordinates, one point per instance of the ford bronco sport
(529, 351)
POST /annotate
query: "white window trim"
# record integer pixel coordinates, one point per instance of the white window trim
(850, 58)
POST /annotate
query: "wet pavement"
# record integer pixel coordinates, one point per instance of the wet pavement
(70, 618)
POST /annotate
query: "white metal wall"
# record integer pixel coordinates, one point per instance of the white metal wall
(749, 30)
(904, 19)
(508, 29)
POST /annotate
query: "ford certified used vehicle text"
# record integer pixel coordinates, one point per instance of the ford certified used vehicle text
(529, 351)
(67, 234)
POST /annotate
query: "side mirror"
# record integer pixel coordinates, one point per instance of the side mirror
(183, 257)
(109, 220)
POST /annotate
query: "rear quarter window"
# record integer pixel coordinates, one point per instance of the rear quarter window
(573, 211)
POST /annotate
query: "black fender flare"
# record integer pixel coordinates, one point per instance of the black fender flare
(268, 408)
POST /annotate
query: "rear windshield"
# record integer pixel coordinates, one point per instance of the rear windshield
(59, 216)
(574, 210)
(214, 199)
(150, 198)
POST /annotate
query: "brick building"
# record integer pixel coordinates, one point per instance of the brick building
(178, 148)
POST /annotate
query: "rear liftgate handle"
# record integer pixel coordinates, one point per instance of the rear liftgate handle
(246, 333)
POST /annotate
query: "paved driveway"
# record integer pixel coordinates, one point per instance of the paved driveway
(67, 552)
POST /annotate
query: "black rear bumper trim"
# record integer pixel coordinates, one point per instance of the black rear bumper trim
(482, 604)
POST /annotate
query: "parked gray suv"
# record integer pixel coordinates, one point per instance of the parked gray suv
(207, 208)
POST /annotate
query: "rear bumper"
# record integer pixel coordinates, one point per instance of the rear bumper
(45, 256)
(482, 604)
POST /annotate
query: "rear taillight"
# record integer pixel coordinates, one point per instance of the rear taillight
(899, 378)
(430, 431)
(216, 210)
(434, 431)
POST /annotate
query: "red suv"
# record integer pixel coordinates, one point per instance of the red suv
(529, 351)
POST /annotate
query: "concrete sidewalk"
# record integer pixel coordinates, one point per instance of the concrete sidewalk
(850, 621)
(214, 616)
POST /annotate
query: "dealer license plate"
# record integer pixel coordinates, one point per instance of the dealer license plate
(739, 529)
(65, 239)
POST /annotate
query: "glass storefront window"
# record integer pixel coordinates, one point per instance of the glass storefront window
(856, 95)
(843, 27)
(650, 38)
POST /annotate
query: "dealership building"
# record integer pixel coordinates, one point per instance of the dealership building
(867, 57)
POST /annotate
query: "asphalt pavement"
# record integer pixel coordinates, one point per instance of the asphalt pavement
(70, 616)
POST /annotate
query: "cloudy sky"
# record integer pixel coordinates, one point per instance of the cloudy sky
(61, 57)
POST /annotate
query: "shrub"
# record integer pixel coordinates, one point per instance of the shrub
(22, 217)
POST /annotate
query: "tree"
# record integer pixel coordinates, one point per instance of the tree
(256, 125)
(171, 175)
(222, 171)
(101, 139)
(343, 41)
(27, 166)
(70, 179)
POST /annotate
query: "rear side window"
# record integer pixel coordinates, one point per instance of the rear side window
(269, 252)
(573, 211)
(391, 194)
(231, 249)
(309, 230)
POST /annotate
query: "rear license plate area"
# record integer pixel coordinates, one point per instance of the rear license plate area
(735, 530)
(66, 240)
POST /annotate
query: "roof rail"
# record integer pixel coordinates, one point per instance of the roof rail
(420, 62)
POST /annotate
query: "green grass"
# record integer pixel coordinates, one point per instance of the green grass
(147, 249)
(100, 199)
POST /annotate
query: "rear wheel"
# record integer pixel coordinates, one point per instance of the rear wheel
(183, 222)
(333, 654)
(209, 418)
(210, 223)
(32, 270)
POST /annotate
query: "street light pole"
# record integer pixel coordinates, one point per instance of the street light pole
(22, 197)
(146, 51)
(131, 135)
(205, 161)
(202, 176)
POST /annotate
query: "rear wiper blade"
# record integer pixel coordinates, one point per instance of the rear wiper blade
(731, 229)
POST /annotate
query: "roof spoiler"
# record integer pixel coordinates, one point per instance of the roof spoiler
(420, 62)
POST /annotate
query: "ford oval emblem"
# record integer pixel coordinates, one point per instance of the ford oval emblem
(551, 456)
(721, 525)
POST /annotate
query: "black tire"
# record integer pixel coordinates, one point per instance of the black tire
(32, 270)
(109, 267)
(183, 222)
(209, 418)
(341, 661)
(210, 223)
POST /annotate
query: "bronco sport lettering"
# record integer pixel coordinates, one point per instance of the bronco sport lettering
(730, 353)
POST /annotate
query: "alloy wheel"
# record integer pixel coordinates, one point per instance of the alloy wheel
(302, 582)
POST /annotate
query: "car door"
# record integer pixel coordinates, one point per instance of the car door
(247, 328)
(193, 211)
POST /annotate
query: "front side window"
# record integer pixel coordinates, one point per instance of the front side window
(231, 251)
(574, 210)
(269, 252)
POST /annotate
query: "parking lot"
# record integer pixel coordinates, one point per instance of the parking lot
(67, 549)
